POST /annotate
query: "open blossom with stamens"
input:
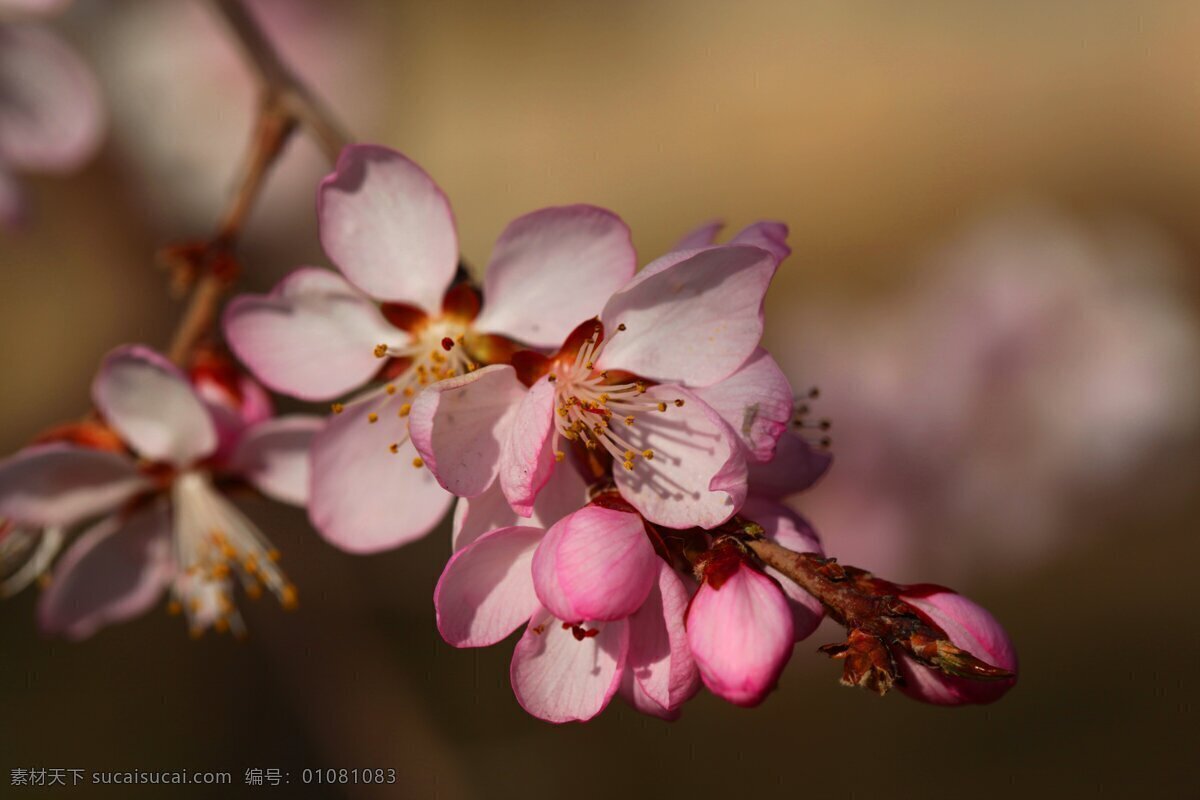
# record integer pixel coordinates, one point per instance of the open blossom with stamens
(51, 118)
(155, 472)
(394, 322)
(627, 388)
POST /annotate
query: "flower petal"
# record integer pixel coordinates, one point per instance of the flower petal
(274, 457)
(364, 497)
(312, 337)
(59, 484)
(769, 235)
(596, 564)
(486, 590)
(694, 322)
(564, 493)
(153, 407)
(796, 466)
(527, 458)
(553, 269)
(458, 426)
(697, 475)
(560, 678)
(116, 570)
(388, 227)
(784, 526)
(25, 555)
(701, 236)
(757, 403)
(741, 635)
(51, 118)
(660, 659)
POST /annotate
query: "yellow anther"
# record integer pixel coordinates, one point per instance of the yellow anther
(551, 377)
(220, 571)
(621, 327)
(562, 411)
(679, 403)
(254, 591)
(274, 555)
(250, 564)
(629, 420)
(603, 398)
(391, 388)
(221, 625)
(174, 608)
(630, 455)
(472, 366)
(559, 455)
(381, 350)
(408, 391)
(288, 597)
(591, 444)
(194, 605)
(405, 410)
(590, 365)
(648, 455)
(418, 462)
(604, 374)
(372, 418)
(641, 387)
(337, 408)
(394, 447)
(662, 406)
(629, 465)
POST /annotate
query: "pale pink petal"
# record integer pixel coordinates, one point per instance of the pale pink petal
(784, 526)
(697, 475)
(596, 563)
(274, 457)
(565, 492)
(459, 426)
(33, 6)
(796, 466)
(970, 627)
(770, 236)
(636, 696)
(560, 678)
(486, 591)
(153, 407)
(312, 337)
(757, 403)
(51, 118)
(388, 227)
(741, 635)
(694, 322)
(660, 659)
(553, 269)
(114, 571)
(527, 458)
(61, 484)
(699, 237)
(364, 497)
(231, 411)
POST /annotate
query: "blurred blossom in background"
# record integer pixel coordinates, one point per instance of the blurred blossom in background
(1034, 372)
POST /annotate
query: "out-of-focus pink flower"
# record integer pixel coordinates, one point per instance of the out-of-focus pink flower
(1037, 365)
(164, 521)
(970, 627)
(632, 385)
(396, 317)
(51, 118)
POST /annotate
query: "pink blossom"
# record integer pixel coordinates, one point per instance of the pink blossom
(153, 483)
(970, 627)
(393, 315)
(51, 119)
(630, 386)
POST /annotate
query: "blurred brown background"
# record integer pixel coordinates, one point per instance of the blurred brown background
(877, 130)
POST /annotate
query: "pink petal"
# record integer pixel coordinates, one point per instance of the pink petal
(564, 493)
(559, 678)
(702, 236)
(51, 119)
(596, 563)
(636, 696)
(459, 425)
(274, 457)
(312, 337)
(60, 484)
(796, 466)
(388, 227)
(770, 236)
(756, 401)
(153, 407)
(783, 525)
(364, 497)
(231, 414)
(694, 322)
(970, 627)
(697, 476)
(486, 590)
(553, 269)
(25, 555)
(527, 458)
(660, 659)
(741, 635)
(116, 570)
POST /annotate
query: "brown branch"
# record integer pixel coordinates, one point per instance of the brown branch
(208, 268)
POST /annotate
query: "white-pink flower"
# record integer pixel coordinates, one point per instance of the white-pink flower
(630, 386)
(397, 318)
(51, 118)
(164, 519)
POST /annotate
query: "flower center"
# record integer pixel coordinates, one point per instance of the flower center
(215, 543)
(593, 408)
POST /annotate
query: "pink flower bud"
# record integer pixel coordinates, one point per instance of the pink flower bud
(971, 628)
